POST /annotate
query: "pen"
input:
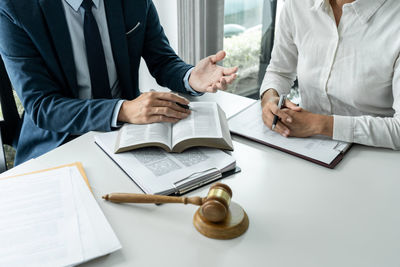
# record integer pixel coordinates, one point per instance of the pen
(280, 105)
(179, 104)
(182, 105)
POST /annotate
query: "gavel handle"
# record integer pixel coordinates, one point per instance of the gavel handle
(157, 199)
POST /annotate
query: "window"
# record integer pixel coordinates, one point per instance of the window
(248, 39)
(243, 28)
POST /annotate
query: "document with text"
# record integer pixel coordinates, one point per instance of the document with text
(324, 151)
(50, 218)
(206, 126)
(157, 172)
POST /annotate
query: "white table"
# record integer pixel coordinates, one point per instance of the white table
(301, 214)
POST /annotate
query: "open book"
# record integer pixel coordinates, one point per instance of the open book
(205, 126)
(158, 172)
(318, 149)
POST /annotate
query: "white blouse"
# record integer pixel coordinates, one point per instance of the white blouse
(351, 71)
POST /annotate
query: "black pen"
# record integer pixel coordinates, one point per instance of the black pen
(179, 104)
(281, 102)
(182, 105)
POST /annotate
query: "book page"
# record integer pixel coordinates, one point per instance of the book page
(203, 122)
(156, 171)
(38, 221)
(249, 123)
(134, 134)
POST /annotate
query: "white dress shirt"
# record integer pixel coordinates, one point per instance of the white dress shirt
(351, 71)
(74, 14)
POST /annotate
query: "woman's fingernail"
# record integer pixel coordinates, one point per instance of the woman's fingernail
(289, 119)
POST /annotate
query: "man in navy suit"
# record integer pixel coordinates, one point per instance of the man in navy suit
(74, 65)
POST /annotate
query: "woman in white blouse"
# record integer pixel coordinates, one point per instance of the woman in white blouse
(345, 54)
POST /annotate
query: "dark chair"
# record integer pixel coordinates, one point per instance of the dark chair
(10, 125)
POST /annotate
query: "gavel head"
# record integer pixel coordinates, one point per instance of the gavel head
(215, 207)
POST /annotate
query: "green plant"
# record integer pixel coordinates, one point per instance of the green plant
(244, 50)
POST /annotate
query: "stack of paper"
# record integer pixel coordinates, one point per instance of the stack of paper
(51, 218)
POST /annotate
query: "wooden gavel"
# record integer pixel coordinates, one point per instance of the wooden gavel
(214, 208)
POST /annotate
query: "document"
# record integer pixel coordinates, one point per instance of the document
(97, 236)
(319, 149)
(50, 218)
(38, 221)
(206, 126)
(157, 172)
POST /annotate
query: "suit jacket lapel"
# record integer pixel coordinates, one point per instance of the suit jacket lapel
(54, 14)
(116, 29)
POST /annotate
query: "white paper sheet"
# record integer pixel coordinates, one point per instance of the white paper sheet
(203, 122)
(249, 123)
(51, 219)
(96, 234)
(38, 221)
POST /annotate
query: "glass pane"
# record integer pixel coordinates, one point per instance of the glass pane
(242, 42)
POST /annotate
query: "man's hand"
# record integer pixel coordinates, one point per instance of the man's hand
(207, 76)
(153, 107)
(269, 104)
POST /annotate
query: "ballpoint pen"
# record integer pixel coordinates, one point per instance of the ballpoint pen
(182, 105)
(281, 102)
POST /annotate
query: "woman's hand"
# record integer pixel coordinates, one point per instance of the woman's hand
(154, 107)
(269, 104)
(304, 123)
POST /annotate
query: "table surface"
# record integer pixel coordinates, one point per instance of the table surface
(301, 214)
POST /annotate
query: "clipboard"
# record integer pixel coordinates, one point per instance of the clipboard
(186, 184)
(248, 124)
(331, 165)
(145, 167)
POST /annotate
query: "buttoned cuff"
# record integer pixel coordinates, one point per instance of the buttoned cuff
(114, 120)
(188, 88)
(343, 128)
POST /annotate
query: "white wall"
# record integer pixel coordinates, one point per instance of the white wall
(168, 12)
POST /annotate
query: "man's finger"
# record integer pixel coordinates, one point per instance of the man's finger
(224, 84)
(212, 88)
(218, 57)
(169, 104)
(161, 118)
(230, 79)
(171, 97)
(168, 112)
(230, 71)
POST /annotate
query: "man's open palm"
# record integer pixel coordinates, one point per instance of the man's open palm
(207, 76)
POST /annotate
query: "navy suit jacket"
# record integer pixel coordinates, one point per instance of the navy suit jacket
(36, 48)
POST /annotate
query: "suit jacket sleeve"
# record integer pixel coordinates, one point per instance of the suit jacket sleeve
(49, 104)
(163, 63)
